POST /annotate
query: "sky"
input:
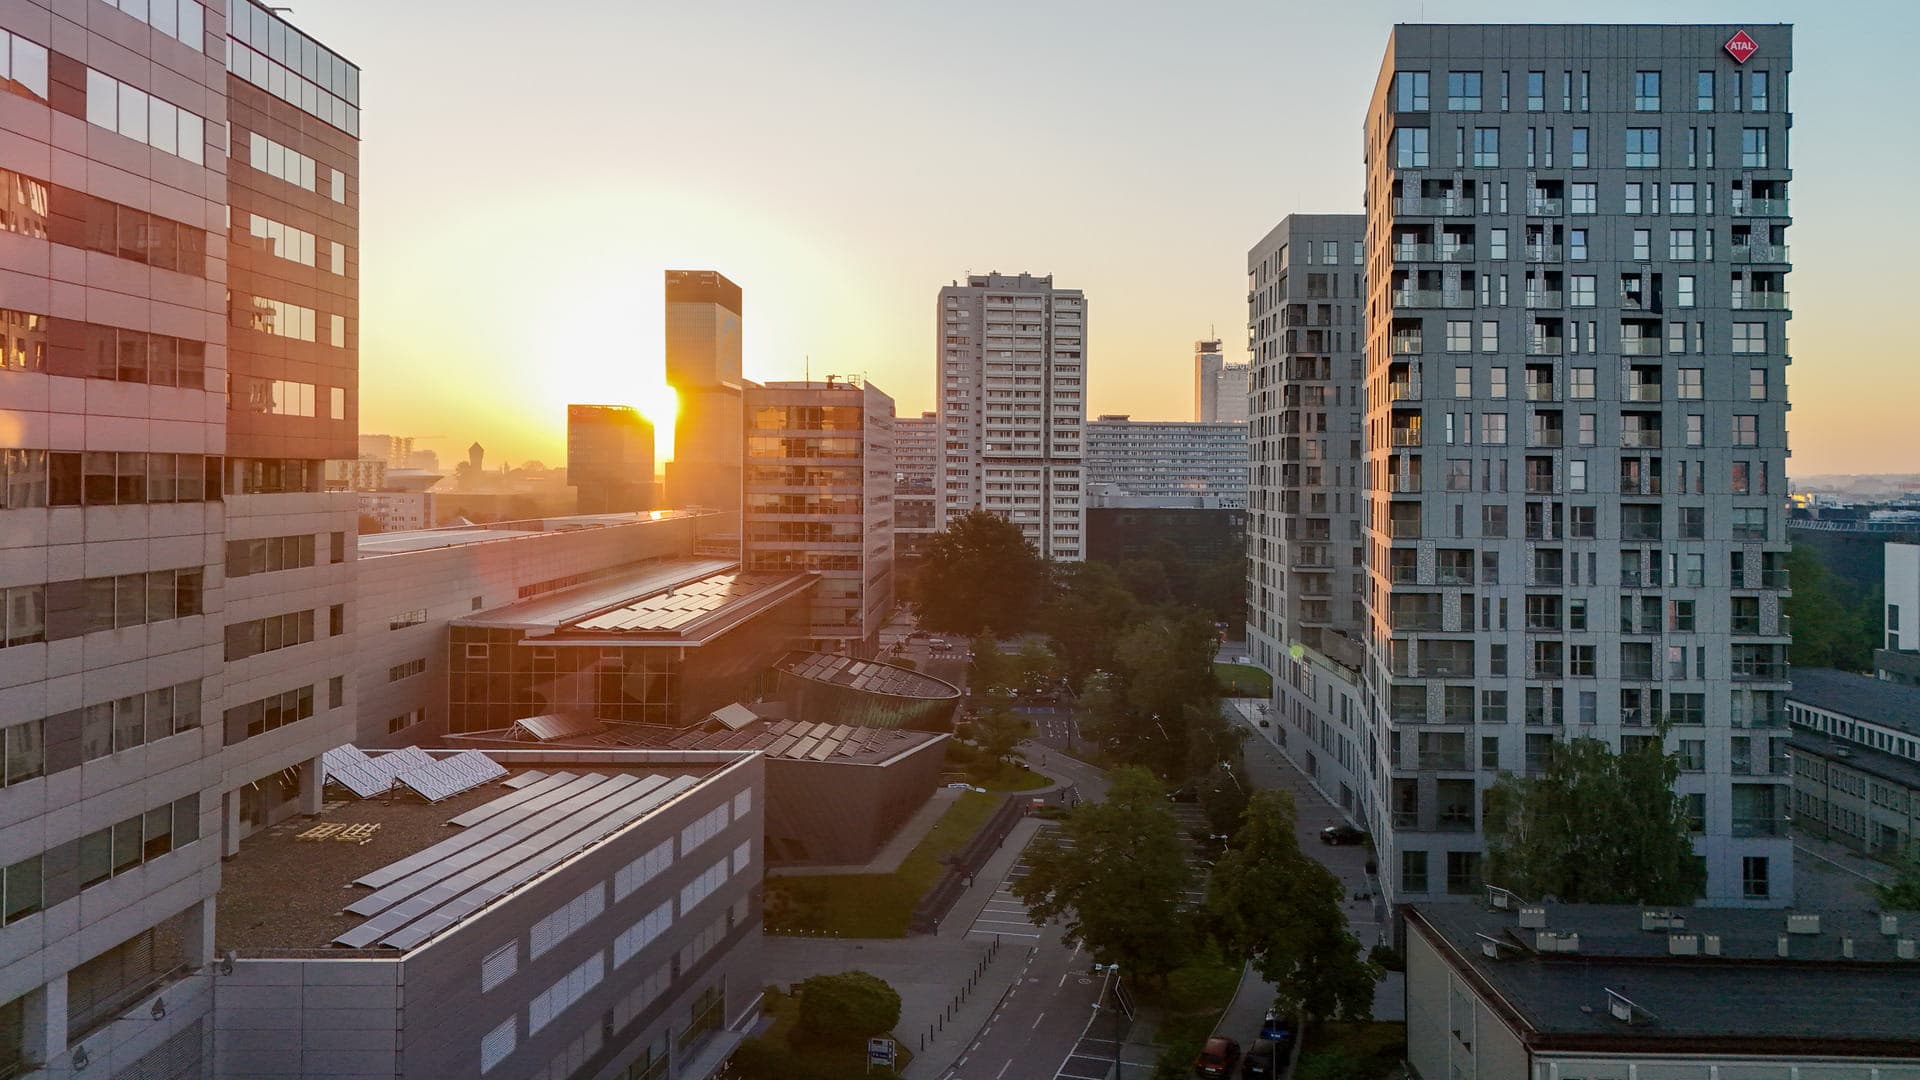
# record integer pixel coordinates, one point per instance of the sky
(528, 171)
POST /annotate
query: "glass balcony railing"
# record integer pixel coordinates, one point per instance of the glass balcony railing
(1545, 346)
(1544, 207)
(1545, 298)
(1640, 440)
(1760, 207)
(1781, 254)
(1761, 301)
(1406, 344)
(1541, 391)
(1640, 347)
(1649, 392)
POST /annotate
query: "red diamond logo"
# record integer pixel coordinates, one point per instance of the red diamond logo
(1741, 47)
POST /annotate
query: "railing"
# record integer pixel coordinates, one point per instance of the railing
(1647, 486)
(1542, 207)
(1541, 392)
(1632, 579)
(1642, 392)
(1406, 819)
(1403, 530)
(1544, 624)
(1434, 207)
(1546, 438)
(1548, 576)
(1544, 253)
(1414, 621)
(1761, 673)
(1542, 670)
(1406, 344)
(1545, 298)
(1759, 826)
(1404, 575)
(1762, 253)
(1450, 576)
(1775, 579)
(1543, 530)
(1640, 440)
(1546, 346)
(1449, 759)
(1761, 301)
(1404, 437)
(1640, 530)
(1760, 207)
(1640, 347)
(1541, 485)
(1637, 672)
(1456, 820)
(1403, 391)
(1746, 625)
(1420, 298)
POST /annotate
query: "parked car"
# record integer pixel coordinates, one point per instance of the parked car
(1276, 1027)
(1263, 1060)
(967, 787)
(918, 635)
(1217, 1058)
(1338, 835)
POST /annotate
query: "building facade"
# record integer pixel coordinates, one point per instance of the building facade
(1306, 315)
(1012, 362)
(1219, 388)
(1168, 459)
(1575, 529)
(703, 321)
(610, 458)
(916, 465)
(820, 481)
(1856, 761)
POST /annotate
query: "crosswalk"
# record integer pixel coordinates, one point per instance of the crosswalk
(1004, 914)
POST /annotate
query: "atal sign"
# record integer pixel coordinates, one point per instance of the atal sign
(1741, 47)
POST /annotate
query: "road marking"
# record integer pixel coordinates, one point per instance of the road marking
(1003, 1069)
(1036, 1021)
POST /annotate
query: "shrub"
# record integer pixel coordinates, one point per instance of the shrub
(1388, 958)
(850, 1005)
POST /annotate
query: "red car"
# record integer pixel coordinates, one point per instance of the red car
(1217, 1058)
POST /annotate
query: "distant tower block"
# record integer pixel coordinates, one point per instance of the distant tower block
(703, 324)
(475, 455)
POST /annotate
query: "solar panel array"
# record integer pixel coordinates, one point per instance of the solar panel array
(507, 842)
(450, 776)
(798, 740)
(869, 676)
(674, 608)
(367, 775)
(523, 779)
(550, 727)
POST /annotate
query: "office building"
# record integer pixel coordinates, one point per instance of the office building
(1856, 761)
(1219, 388)
(703, 331)
(1576, 528)
(1012, 361)
(1557, 991)
(609, 458)
(592, 913)
(1121, 528)
(170, 671)
(916, 465)
(819, 497)
(1168, 459)
(1306, 330)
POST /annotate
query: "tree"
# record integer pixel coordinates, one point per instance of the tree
(1120, 882)
(999, 729)
(1596, 827)
(1832, 628)
(1272, 904)
(991, 669)
(1089, 610)
(1902, 892)
(981, 572)
(850, 1005)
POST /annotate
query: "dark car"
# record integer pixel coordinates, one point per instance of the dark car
(1263, 1060)
(1277, 1027)
(1342, 834)
(1217, 1058)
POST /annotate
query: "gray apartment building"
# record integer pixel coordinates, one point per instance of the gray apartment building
(1178, 462)
(916, 467)
(1219, 387)
(1012, 359)
(1856, 761)
(1575, 426)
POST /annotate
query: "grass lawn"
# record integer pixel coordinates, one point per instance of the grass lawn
(790, 1057)
(1195, 996)
(875, 905)
(1374, 1048)
(1242, 680)
(1011, 777)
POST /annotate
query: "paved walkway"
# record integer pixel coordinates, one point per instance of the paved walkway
(896, 850)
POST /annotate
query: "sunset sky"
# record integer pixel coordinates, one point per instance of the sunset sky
(529, 170)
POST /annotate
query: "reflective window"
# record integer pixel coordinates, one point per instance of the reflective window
(183, 20)
(23, 66)
(138, 115)
(276, 317)
(294, 68)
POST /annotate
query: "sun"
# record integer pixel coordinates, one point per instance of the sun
(660, 405)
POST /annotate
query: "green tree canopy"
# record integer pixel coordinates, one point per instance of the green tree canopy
(999, 729)
(1596, 827)
(981, 572)
(1902, 891)
(850, 1005)
(1085, 617)
(1280, 909)
(1831, 629)
(1119, 885)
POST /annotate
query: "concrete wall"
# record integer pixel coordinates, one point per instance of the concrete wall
(826, 814)
(1450, 1030)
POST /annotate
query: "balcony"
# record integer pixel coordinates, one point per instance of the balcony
(1541, 391)
(1434, 207)
(1541, 485)
(1446, 253)
(1406, 344)
(1544, 438)
(1546, 346)
(1762, 254)
(1403, 390)
(1545, 253)
(1544, 207)
(1404, 575)
(1775, 579)
(1761, 301)
(1748, 625)
(1640, 530)
(1409, 484)
(1398, 529)
(1431, 298)
(1640, 440)
(1404, 437)
(1546, 298)
(1640, 347)
(1416, 620)
(1760, 673)
(1545, 530)
(1646, 392)
(1760, 207)
(1759, 826)
(1455, 819)
(1543, 669)
(1775, 717)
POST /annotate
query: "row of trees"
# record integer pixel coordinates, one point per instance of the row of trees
(1120, 889)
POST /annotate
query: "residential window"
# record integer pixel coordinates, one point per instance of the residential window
(1689, 384)
(1756, 91)
(1646, 91)
(1584, 434)
(1749, 338)
(1493, 429)
(1460, 336)
(1583, 199)
(1536, 91)
(1463, 91)
(1740, 483)
(1580, 384)
(1693, 526)
(1503, 91)
(1497, 384)
(1746, 430)
(1643, 244)
(1581, 290)
(1753, 877)
(1696, 429)
(1756, 384)
(1490, 342)
(1753, 148)
(1683, 294)
(1410, 91)
(1643, 148)
(1577, 245)
(1630, 201)
(1497, 244)
(1576, 476)
(1463, 383)
(1493, 522)
(1412, 147)
(1703, 92)
(1680, 244)
(1578, 152)
(1486, 147)
(1413, 871)
(1680, 200)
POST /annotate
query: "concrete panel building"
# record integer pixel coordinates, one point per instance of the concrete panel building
(1168, 459)
(916, 465)
(820, 481)
(1219, 388)
(703, 328)
(1856, 761)
(1576, 528)
(1012, 360)
(619, 941)
(1559, 991)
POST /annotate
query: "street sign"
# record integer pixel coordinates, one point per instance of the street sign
(880, 1052)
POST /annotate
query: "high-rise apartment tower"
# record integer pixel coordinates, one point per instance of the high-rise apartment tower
(1012, 358)
(1219, 388)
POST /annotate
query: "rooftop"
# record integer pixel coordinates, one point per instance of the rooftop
(1861, 697)
(1747, 996)
(683, 601)
(788, 740)
(866, 676)
(1859, 756)
(376, 545)
(452, 858)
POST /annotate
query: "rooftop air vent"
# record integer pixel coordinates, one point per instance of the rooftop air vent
(1654, 919)
(1625, 1011)
(1710, 944)
(1683, 944)
(1533, 917)
(1889, 925)
(1803, 924)
(1547, 941)
(1905, 949)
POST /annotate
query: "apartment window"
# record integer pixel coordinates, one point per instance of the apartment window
(1706, 149)
(1490, 342)
(1643, 244)
(1753, 877)
(1410, 91)
(1683, 292)
(1496, 243)
(1580, 384)
(1688, 384)
(1413, 871)
(1749, 338)
(1411, 144)
(1740, 483)
(1756, 91)
(1536, 91)
(1756, 384)
(1753, 148)
(1576, 476)
(1646, 91)
(1583, 199)
(1643, 148)
(1746, 430)
(1493, 429)
(1460, 336)
(1576, 245)
(1680, 199)
(1696, 430)
(1581, 290)
(1463, 91)
(1493, 521)
(1680, 244)
(1584, 429)
(1630, 201)
(1703, 92)
(1463, 383)
(1486, 147)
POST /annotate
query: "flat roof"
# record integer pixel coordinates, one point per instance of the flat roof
(1867, 759)
(1747, 996)
(866, 676)
(785, 740)
(285, 893)
(1861, 697)
(665, 602)
(376, 545)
